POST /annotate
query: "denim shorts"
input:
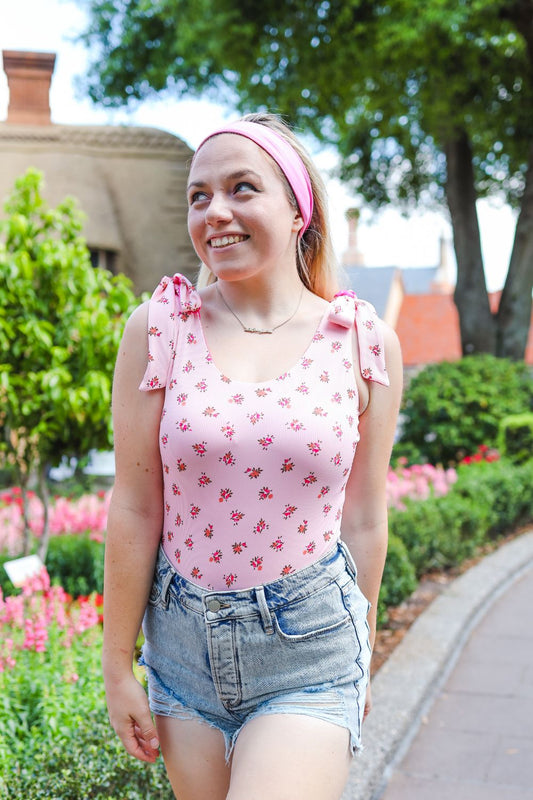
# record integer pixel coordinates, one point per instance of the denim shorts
(298, 645)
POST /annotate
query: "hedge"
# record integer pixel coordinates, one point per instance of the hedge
(515, 437)
(487, 500)
(451, 408)
(85, 761)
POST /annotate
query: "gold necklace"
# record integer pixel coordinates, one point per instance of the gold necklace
(260, 331)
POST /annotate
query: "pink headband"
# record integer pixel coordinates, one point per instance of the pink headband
(285, 157)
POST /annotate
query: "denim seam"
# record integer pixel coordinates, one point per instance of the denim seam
(228, 702)
(301, 637)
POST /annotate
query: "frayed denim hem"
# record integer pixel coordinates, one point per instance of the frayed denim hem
(329, 706)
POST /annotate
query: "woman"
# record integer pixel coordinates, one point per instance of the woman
(261, 434)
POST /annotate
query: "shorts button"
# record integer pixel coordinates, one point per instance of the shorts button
(214, 605)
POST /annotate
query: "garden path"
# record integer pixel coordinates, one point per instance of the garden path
(454, 700)
(476, 741)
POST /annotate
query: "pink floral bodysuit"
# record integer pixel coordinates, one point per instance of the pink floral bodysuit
(255, 473)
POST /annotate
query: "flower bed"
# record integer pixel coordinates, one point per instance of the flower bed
(87, 513)
(417, 483)
(44, 619)
(55, 739)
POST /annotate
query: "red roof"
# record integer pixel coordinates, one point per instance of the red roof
(428, 329)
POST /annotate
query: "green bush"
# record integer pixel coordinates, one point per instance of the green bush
(7, 474)
(451, 408)
(76, 562)
(86, 761)
(515, 437)
(503, 489)
(408, 453)
(6, 587)
(489, 498)
(439, 532)
(399, 579)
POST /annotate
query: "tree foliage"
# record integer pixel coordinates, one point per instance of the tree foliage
(60, 325)
(428, 102)
(386, 81)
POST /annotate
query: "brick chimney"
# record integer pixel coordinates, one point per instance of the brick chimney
(353, 257)
(29, 75)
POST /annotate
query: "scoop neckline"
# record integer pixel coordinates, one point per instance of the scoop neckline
(279, 378)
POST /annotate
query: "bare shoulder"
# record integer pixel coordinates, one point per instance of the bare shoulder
(393, 355)
(136, 413)
(390, 338)
(137, 322)
(133, 351)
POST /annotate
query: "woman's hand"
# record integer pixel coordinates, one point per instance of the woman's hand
(130, 717)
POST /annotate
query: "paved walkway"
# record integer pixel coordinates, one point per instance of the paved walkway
(476, 742)
(453, 704)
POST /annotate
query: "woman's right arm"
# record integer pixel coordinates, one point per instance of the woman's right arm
(133, 536)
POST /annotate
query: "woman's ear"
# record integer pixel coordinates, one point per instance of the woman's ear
(298, 222)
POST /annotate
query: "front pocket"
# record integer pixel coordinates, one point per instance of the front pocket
(312, 616)
(300, 637)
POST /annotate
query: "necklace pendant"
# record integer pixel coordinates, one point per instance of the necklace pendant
(259, 331)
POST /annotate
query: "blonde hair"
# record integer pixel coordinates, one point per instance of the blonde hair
(315, 259)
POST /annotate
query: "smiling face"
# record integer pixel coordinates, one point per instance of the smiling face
(240, 220)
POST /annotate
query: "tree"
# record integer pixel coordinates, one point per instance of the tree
(60, 325)
(427, 102)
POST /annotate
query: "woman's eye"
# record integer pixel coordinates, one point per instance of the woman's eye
(197, 197)
(244, 186)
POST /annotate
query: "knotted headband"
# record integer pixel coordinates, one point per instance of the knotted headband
(285, 157)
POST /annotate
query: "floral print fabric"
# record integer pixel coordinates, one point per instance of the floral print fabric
(255, 473)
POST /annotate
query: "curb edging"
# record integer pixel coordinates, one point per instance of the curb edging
(407, 683)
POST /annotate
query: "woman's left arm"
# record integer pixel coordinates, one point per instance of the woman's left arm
(364, 521)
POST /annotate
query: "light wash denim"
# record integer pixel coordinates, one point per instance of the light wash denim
(298, 645)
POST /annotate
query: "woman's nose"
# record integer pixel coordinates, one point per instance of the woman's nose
(218, 210)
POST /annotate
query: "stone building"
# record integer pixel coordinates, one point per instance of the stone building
(129, 181)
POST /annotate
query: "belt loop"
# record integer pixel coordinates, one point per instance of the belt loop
(263, 609)
(350, 563)
(167, 580)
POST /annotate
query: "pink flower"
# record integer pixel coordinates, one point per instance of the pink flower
(35, 635)
(32, 620)
(6, 655)
(417, 482)
(87, 513)
(35, 583)
(87, 617)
